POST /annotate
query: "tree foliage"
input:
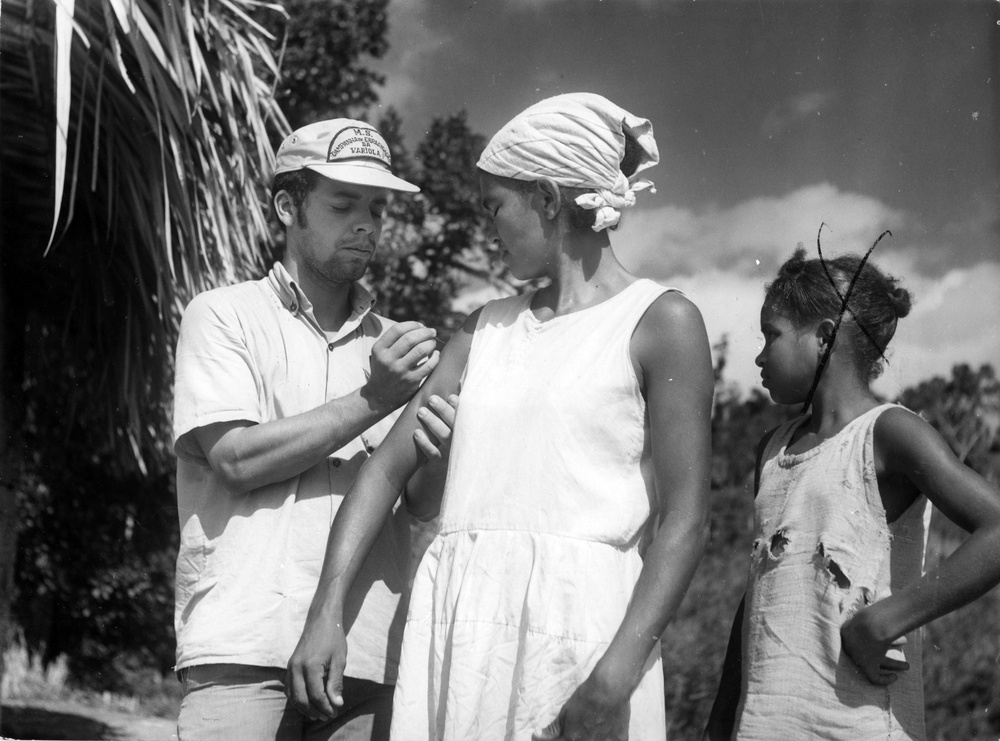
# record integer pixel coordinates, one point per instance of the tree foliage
(144, 162)
(965, 409)
(98, 538)
(434, 241)
(325, 48)
(127, 186)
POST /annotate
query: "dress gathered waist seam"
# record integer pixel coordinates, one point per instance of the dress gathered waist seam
(445, 531)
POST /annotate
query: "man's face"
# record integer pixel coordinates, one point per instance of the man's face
(334, 233)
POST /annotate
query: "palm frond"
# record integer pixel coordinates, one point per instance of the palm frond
(136, 176)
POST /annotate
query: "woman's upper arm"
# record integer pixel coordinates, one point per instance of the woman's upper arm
(670, 347)
(907, 445)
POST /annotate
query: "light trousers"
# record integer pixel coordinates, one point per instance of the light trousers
(233, 702)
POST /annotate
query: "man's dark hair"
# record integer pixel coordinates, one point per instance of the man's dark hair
(298, 184)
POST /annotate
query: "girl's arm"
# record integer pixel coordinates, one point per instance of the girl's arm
(670, 350)
(315, 670)
(910, 451)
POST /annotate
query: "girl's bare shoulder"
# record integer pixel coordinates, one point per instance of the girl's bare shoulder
(900, 433)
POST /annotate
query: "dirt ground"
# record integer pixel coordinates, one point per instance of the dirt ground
(72, 720)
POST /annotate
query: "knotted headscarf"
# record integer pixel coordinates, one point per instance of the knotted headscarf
(578, 140)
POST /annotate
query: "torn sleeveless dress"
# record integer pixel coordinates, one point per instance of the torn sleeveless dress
(547, 502)
(822, 550)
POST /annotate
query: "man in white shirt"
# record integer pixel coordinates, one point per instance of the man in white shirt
(284, 386)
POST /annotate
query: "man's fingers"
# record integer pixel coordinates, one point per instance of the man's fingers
(318, 702)
(297, 688)
(388, 339)
(418, 352)
(404, 344)
(425, 369)
(334, 689)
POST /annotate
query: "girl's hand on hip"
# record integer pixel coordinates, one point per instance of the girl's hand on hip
(879, 658)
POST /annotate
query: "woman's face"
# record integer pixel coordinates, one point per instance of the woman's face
(515, 226)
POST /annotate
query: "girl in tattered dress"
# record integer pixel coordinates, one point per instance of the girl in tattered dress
(835, 597)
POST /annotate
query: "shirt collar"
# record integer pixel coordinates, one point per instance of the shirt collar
(294, 299)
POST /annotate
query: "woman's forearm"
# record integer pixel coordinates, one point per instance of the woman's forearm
(667, 570)
(355, 529)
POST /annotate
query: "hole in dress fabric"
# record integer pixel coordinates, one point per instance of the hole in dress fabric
(825, 562)
(779, 541)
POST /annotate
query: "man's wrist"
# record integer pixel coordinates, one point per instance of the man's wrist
(327, 605)
(376, 403)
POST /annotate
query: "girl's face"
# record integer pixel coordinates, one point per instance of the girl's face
(789, 358)
(515, 226)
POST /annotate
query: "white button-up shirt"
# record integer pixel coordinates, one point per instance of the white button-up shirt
(249, 563)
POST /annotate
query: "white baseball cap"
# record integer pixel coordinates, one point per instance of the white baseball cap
(341, 149)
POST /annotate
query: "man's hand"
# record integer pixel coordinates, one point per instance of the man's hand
(315, 679)
(438, 420)
(880, 659)
(400, 361)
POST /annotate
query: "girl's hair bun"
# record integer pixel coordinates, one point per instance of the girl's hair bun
(795, 265)
(900, 299)
(807, 290)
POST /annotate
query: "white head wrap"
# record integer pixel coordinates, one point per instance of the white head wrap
(578, 140)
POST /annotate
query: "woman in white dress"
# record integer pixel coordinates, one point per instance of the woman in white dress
(576, 507)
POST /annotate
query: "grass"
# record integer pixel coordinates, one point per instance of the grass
(28, 678)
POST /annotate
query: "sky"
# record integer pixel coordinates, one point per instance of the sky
(771, 118)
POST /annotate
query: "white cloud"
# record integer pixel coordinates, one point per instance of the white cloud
(713, 256)
(753, 235)
(955, 319)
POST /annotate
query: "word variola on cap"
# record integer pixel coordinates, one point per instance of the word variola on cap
(358, 142)
(341, 149)
(577, 140)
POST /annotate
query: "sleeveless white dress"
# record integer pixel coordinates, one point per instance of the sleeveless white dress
(822, 550)
(544, 518)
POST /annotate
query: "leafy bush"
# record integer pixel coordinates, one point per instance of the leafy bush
(95, 572)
